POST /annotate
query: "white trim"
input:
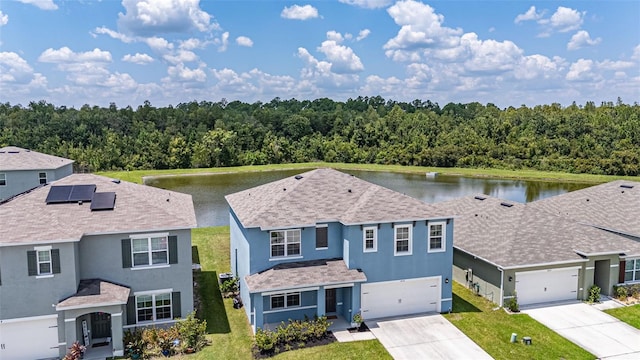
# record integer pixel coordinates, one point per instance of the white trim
(299, 290)
(293, 308)
(147, 323)
(339, 286)
(501, 287)
(117, 314)
(46, 276)
(286, 258)
(590, 268)
(285, 244)
(548, 270)
(42, 248)
(151, 292)
(446, 299)
(322, 225)
(614, 265)
(443, 235)
(409, 227)
(62, 344)
(375, 239)
(30, 318)
(322, 248)
(285, 298)
(544, 264)
(70, 320)
(159, 266)
(75, 307)
(154, 306)
(149, 235)
(601, 253)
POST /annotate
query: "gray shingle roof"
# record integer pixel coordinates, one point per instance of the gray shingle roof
(324, 195)
(15, 158)
(29, 220)
(303, 274)
(522, 235)
(95, 292)
(614, 206)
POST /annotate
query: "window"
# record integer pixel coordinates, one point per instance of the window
(3, 179)
(436, 238)
(370, 239)
(402, 240)
(285, 243)
(150, 251)
(632, 270)
(322, 239)
(282, 301)
(43, 178)
(153, 307)
(44, 262)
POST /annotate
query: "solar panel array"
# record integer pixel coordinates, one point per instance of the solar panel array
(103, 201)
(70, 193)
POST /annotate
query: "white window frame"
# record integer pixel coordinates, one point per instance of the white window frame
(154, 306)
(325, 226)
(409, 228)
(443, 236)
(39, 261)
(149, 251)
(285, 297)
(633, 271)
(3, 179)
(289, 239)
(375, 239)
(40, 178)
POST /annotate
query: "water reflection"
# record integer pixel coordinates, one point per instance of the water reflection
(212, 210)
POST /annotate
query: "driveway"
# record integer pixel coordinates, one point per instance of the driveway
(425, 337)
(601, 334)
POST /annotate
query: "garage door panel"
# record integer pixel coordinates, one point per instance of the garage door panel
(396, 298)
(28, 340)
(546, 286)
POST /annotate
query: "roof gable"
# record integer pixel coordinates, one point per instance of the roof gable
(15, 158)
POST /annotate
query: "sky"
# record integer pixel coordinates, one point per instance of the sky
(167, 52)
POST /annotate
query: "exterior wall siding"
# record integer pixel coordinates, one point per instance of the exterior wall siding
(19, 181)
(486, 277)
(239, 264)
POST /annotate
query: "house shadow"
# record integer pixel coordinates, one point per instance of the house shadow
(461, 305)
(195, 255)
(208, 301)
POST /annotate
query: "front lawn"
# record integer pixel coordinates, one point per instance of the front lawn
(628, 314)
(492, 329)
(228, 328)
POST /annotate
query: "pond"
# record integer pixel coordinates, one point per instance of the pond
(208, 191)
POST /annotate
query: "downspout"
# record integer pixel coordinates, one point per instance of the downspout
(501, 286)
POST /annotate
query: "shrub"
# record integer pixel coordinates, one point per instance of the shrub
(76, 352)
(192, 332)
(512, 303)
(229, 287)
(265, 340)
(133, 342)
(621, 292)
(594, 294)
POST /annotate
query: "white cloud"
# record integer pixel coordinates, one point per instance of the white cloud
(66, 55)
(159, 44)
(363, 34)
(297, 12)
(530, 15)
(193, 43)
(489, 55)
(636, 53)
(615, 65)
(343, 59)
(318, 75)
(244, 41)
(222, 42)
(4, 18)
(149, 17)
(182, 73)
(122, 83)
(581, 70)
(114, 34)
(181, 56)
(140, 59)
(14, 69)
(368, 4)
(537, 67)
(41, 4)
(563, 20)
(334, 36)
(582, 39)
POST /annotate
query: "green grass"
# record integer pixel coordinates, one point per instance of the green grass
(628, 314)
(136, 176)
(228, 328)
(491, 330)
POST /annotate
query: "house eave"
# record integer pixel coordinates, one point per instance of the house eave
(479, 257)
(603, 253)
(563, 262)
(75, 307)
(288, 288)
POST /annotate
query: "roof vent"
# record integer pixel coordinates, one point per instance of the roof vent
(116, 181)
(480, 198)
(506, 204)
(349, 190)
(625, 186)
(298, 177)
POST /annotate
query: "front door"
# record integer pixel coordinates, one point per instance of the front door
(330, 300)
(100, 325)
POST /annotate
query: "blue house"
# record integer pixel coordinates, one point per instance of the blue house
(327, 243)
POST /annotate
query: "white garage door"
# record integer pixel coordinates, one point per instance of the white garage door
(403, 297)
(547, 285)
(34, 338)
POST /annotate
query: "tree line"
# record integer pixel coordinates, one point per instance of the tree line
(589, 138)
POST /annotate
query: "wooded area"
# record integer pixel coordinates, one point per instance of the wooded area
(585, 138)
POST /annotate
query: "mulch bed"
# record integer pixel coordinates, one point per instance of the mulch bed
(281, 348)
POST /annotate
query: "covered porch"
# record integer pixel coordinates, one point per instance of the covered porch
(304, 289)
(93, 317)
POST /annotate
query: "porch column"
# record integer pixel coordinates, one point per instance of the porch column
(355, 300)
(321, 303)
(116, 334)
(70, 332)
(258, 316)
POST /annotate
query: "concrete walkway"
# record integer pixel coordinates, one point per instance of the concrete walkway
(599, 333)
(425, 337)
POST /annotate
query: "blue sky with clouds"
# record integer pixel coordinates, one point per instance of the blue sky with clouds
(508, 53)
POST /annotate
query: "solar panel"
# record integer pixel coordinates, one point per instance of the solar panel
(59, 194)
(103, 201)
(82, 193)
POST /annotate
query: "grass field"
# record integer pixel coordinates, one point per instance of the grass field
(137, 175)
(628, 314)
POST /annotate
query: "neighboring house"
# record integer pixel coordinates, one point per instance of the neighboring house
(504, 248)
(22, 170)
(327, 243)
(85, 258)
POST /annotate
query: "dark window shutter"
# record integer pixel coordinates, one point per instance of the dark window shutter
(131, 310)
(175, 303)
(173, 249)
(55, 261)
(126, 253)
(321, 237)
(621, 267)
(32, 263)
